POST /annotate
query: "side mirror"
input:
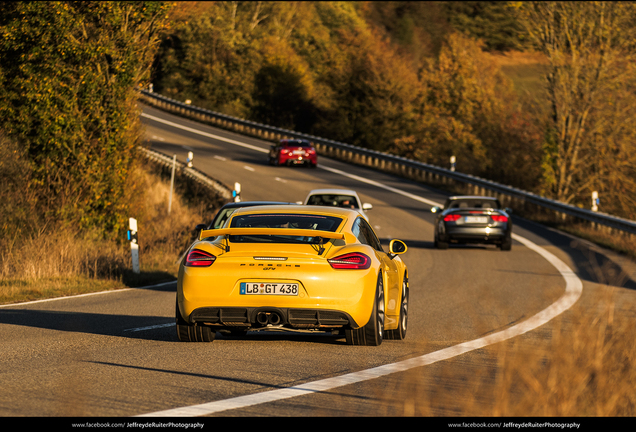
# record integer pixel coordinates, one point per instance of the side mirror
(397, 247)
(508, 210)
(367, 206)
(436, 209)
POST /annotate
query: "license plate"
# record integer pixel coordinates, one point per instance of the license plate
(269, 288)
(476, 219)
(299, 152)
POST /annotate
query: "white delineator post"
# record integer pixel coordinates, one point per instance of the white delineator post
(134, 246)
(595, 201)
(236, 193)
(174, 165)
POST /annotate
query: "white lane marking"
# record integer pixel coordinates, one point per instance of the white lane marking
(152, 327)
(209, 135)
(573, 290)
(221, 158)
(84, 295)
(249, 168)
(280, 179)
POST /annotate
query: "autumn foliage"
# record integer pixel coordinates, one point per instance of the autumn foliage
(67, 104)
(377, 75)
(417, 79)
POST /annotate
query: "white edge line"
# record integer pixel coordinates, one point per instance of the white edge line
(209, 135)
(573, 290)
(83, 295)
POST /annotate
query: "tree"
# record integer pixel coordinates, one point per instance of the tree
(67, 96)
(591, 54)
(490, 21)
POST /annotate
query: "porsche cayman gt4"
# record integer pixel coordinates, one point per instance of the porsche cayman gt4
(293, 267)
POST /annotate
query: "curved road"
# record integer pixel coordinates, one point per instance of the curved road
(116, 353)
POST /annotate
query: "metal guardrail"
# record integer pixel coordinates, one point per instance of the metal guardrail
(510, 196)
(194, 174)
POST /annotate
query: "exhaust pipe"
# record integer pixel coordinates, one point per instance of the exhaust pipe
(264, 318)
(274, 319)
(261, 318)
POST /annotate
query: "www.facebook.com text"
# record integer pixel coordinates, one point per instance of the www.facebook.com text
(139, 425)
(518, 425)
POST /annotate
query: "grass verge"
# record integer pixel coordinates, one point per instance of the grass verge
(583, 365)
(60, 262)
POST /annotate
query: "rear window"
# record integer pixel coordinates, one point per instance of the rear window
(473, 203)
(344, 201)
(291, 221)
(296, 144)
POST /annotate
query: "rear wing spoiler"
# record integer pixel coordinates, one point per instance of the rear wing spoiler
(273, 231)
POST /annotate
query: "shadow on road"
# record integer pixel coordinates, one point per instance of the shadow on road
(154, 328)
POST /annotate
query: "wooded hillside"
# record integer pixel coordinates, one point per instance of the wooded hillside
(423, 80)
(418, 79)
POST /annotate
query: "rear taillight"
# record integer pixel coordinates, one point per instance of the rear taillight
(499, 218)
(351, 261)
(199, 258)
(451, 217)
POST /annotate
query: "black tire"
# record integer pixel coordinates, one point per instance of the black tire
(506, 245)
(372, 333)
(400, 332)
(192, 333)
(440, 244)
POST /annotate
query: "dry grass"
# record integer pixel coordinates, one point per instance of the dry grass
(584, 364)
(518, 58)
(616, 241)
(59, 261)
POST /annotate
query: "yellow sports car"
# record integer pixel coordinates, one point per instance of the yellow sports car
(293, 267)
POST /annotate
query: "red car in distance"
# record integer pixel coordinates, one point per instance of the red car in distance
(293, 152)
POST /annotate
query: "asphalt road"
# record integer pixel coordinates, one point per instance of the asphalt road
(117, 354)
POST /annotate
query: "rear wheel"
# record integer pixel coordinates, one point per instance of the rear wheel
(192, 333)
(506, 245)
(372, 333)
(440, 244)
(400, 332)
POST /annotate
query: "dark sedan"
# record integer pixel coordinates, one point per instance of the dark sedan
(473, 219)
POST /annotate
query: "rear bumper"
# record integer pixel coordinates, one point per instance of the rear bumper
(259, 317)
(475, 235)
(297, 161)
